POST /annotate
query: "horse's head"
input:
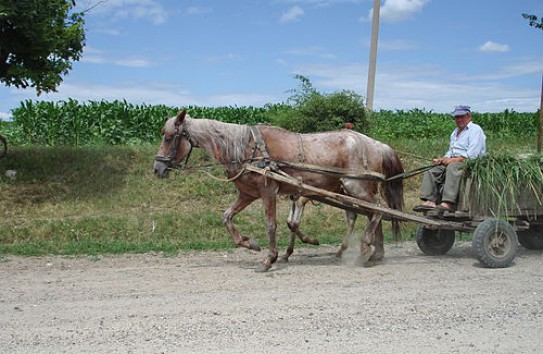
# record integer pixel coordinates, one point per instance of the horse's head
(175, 145)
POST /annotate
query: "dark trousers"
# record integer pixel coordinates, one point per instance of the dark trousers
(441, 183)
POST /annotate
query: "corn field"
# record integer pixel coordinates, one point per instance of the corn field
(71, 123)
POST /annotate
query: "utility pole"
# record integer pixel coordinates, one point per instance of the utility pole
(540, 128)
(373, 54)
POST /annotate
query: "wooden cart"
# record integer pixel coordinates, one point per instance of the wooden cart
(495, 239)
(497, 231)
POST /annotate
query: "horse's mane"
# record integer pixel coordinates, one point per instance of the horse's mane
(229, 140)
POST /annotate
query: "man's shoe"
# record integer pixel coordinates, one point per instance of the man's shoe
(423, 207)
(445, 207)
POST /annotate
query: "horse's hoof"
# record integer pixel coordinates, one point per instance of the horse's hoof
(367, 252)
(262, 268)
(376, 258)
(283, 259)
(340, 251)
(370, 263)
(254, 245)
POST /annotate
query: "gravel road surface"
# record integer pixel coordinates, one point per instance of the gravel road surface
(214, 302)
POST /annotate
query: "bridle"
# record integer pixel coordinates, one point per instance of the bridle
(174, 147)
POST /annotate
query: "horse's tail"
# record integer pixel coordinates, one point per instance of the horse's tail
(393, 190)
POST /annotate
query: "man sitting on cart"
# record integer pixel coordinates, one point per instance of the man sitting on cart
(440, 184)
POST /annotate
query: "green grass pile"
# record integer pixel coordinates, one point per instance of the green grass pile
(505, 185)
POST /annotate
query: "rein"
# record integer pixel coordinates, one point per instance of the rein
(339, 172)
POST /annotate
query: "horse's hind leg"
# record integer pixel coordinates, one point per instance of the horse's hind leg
(367, 248)
(379, 244)
(241, 203)
(293, 223)
(350, 217)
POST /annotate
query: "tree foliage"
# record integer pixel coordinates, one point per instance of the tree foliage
(534, 22)
(313, 111)
(39, 39)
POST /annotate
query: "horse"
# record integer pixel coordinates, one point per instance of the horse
(235, 145)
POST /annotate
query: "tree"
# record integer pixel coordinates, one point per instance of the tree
(39, 39)
(534, 21)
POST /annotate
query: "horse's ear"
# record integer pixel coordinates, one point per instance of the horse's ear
(180, 117)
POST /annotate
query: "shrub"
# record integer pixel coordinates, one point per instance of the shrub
(308, 110)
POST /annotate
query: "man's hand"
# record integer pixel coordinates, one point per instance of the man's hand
(447, 160)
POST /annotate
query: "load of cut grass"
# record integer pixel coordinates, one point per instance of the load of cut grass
(505, 185)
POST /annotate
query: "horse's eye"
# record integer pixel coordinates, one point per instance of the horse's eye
(168, 139)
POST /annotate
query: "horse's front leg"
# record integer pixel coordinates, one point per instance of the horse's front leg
(270, 209)
(241, 203)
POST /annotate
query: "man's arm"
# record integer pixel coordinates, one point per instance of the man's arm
(477, 144)
(447, 160)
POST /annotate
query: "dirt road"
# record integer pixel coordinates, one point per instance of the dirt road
(215, 303)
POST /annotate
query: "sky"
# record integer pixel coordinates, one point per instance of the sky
(432, 54)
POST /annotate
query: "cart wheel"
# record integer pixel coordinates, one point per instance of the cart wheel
(532, 239)
(434, 242)
(495, 242)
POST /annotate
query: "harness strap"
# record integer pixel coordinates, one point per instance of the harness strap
(259, 142)
(301, 153)
(363, 174)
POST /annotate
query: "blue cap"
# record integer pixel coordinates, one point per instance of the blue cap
(461, 110)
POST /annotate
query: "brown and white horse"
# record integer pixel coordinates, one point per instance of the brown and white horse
(233, 145)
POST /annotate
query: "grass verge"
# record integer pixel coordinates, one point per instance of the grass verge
(105, 200)
(101, 200)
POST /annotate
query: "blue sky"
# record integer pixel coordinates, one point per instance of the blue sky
(432, 54)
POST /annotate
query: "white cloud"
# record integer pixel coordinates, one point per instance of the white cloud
(151, 10)
(313, 51)
(397, 87)
(523, 68)
(407, 87)
(322, 3)
(228, 57)
(96, 56)
(5, 116)
(150, 93)
(93, 59)
(133, 62)
(396, 45)
(494, 47)
(108, 31)
(398, 10)
(292, 15)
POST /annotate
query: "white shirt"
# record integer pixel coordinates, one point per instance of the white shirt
(470, 144)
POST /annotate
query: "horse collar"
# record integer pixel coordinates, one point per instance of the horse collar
(259, 143)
